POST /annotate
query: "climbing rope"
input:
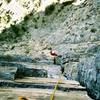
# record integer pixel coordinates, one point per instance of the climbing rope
(53, 53)
(55, 88)
(53, 94)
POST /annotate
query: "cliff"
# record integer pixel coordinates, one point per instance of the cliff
(70, 29)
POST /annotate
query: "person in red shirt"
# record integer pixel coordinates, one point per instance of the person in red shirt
(54, 54)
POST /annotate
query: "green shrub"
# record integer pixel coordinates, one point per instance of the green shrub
(93, 30)
(49, 9)
(8, 1)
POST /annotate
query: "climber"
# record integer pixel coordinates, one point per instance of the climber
(57, 59)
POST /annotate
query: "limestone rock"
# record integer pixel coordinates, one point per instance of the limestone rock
(72, 31)
(7, 73)
(89, 75)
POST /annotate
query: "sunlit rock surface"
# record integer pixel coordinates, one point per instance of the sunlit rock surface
(14, 11)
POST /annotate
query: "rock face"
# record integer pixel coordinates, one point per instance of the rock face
(14, 66)
(42, 88)
(89, 75)
(13, 11)
(73, 32)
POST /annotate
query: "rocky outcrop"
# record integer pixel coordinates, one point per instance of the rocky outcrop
(15, 66)
(89, 74)
(42, 88)
(71, 31)
(37, 78)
